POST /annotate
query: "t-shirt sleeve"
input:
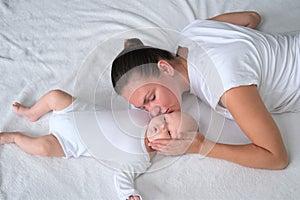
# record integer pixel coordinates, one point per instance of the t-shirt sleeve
(125, 179)
(221, 57)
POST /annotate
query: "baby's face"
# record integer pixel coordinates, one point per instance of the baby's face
(168, 126)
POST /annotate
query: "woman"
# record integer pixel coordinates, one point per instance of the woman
(254, 74)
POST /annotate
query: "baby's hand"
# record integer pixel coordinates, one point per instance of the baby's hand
(134, 198)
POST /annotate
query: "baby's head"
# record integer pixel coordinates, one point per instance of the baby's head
(168, 126)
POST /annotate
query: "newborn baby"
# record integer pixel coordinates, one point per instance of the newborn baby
(116, 138)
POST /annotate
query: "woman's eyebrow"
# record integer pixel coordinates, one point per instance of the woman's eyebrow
(146, 97)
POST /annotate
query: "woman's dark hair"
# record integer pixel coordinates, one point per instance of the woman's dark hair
(137, 58)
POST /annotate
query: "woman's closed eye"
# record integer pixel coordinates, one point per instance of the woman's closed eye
(152, 98)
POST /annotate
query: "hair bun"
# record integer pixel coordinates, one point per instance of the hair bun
(132, 43)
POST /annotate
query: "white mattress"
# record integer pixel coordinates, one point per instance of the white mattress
(69, 45)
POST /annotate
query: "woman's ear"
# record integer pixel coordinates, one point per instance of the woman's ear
(165, 67)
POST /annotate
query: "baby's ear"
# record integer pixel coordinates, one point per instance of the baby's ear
(165, 67)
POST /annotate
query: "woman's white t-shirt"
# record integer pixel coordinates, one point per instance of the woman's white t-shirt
(222, 56)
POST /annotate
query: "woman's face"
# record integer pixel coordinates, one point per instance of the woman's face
(168, 126)
(156, 95)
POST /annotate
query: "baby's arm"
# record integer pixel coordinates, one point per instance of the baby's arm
(125, 178)
(249, 19)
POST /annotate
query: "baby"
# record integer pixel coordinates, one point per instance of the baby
(119, 137)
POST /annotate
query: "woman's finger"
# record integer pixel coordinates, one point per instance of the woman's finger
(158, 147)
(161, 141)
(171, 147)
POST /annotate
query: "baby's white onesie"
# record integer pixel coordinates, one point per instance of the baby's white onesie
(115, 137)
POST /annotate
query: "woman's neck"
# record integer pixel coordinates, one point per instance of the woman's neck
(183, 76)
(182, 55)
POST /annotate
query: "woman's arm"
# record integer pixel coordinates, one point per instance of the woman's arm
(267, 149)
(249, 19)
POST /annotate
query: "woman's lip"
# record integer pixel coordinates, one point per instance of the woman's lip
(168, 111)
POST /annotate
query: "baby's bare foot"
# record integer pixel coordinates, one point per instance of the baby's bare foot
(7, 137)
(24, 111)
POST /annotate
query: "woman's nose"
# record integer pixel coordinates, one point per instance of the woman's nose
(155, 111)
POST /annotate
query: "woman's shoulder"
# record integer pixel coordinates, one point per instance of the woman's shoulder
(202, 23)
(196, 22)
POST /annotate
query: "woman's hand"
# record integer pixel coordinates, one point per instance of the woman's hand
(186, 143)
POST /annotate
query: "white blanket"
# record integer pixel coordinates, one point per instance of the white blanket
(69, 45)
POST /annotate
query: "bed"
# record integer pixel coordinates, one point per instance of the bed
(69, 45)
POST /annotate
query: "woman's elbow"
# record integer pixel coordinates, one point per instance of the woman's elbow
(255, 15)
(281, 162)
(254, 19)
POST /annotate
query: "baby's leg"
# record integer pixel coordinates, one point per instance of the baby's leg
(53, 100)
(44, 146)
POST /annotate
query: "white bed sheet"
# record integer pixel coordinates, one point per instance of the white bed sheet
(46, 45)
